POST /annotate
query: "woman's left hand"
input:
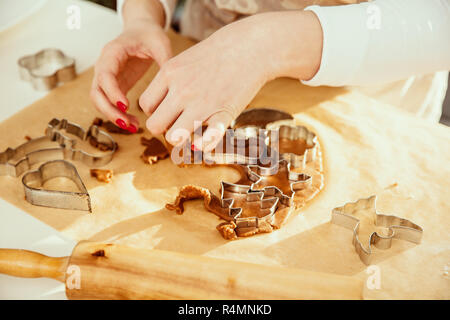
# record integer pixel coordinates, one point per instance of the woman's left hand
(213, 81)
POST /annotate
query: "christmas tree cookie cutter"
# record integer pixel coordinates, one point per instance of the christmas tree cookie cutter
(398, 228)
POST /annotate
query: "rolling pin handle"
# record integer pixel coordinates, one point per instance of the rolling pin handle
(28, 264)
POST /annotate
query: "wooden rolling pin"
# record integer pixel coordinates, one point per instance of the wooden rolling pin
(110, 271)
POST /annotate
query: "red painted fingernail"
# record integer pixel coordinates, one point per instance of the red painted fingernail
(121, 124)
(132, 128)
(194, 148)
(122, 107)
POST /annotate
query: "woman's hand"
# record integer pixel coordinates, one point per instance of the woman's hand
(122, 62)
(213, 81)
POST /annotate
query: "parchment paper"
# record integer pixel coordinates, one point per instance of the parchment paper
(368, 148)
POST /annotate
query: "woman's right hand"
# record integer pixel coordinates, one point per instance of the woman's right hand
(122, 62)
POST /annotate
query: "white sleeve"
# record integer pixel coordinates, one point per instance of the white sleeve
(168, 5)
(382, 41)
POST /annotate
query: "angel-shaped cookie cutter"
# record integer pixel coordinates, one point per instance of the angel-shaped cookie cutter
(46, 68)
(37, 150)
(34, 180)
(398, 228)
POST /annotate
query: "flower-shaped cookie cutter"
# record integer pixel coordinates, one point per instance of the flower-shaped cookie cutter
(46, 68)
(398, 228)
(287, 142)
(294, 143)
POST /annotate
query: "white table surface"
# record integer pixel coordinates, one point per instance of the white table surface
(45, 27)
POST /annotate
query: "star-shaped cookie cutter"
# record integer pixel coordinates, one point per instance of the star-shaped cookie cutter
(399, 228)
(60, 68)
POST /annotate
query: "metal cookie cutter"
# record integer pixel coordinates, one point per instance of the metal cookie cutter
(53, 132)
(52, 198)
(238, 149)
(259, 118)
(46, 68)
(37, 150)
(278, 181)
(29, 153)
(289, 138)
(247, 208)
(398, 228)
(280, 133)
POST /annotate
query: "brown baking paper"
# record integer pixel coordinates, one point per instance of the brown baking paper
(368, 148)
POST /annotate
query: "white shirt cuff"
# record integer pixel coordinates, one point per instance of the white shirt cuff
(382, 41)
(344, 35)
(168, 5)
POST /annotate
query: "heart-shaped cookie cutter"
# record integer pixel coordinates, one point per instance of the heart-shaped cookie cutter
(46, 68)
(53, 198)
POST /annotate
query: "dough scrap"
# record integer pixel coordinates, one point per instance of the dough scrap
(102, 175)
(155, 150)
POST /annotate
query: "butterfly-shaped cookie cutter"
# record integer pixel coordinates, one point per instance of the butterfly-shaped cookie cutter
(398, 228)
(60, 68)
